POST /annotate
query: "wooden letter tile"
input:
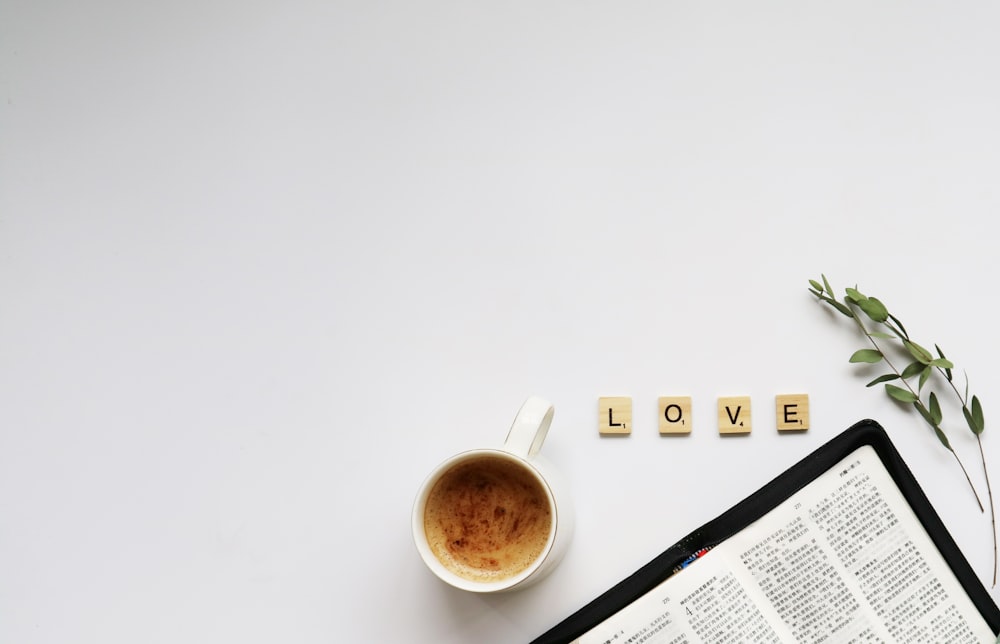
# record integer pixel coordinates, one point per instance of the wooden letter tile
(614, 415)
(675, 414)
(734, 415)
(792, 412)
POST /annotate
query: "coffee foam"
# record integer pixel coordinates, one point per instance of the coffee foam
(487, 519)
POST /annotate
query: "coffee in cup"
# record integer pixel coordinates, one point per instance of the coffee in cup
(490, 520)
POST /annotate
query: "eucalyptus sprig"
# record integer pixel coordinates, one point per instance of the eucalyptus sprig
(922, 365)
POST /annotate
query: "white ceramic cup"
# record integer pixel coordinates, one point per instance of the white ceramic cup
(524, 440)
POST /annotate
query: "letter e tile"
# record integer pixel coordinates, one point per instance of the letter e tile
(792, 412)
(614, 415)
(734, 415)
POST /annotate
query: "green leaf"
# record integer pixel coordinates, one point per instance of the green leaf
(918, 352)
(886, 378)
(900, 394)
(935, 409)
(829, 289)
(855, 296)
(882, 335)
(816, 285)
(871, 356)
(969, 420)
(975, 417)
(925, 413)
(933, 419)
(843, 309)
(977, 413)
(942, 363)
(924, 376)
(943, 438)
(947, 370)
(837, 305)
(912, 369)
(899, 324)
(874, 309)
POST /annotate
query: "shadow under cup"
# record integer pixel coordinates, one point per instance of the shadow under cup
(486, 521)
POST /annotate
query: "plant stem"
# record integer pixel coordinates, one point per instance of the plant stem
(993, 514)
(885, 357)
(967, 478)
(876, 311)
(986, 473)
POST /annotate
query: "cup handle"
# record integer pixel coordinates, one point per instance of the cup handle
(530, 426)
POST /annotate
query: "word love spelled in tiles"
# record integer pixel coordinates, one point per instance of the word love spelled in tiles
(614, 414)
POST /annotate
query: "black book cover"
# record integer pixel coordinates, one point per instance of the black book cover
(865, 432)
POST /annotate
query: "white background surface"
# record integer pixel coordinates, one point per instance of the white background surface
(264, 264)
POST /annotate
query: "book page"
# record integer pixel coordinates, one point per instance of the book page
(845, 559)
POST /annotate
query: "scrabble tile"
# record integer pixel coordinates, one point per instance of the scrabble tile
(734, 415)
(675, 414)
(614, 415)
(792, 412)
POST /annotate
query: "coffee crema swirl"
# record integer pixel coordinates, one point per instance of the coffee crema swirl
(487, 519)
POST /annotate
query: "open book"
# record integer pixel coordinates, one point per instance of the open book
(842, 547)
